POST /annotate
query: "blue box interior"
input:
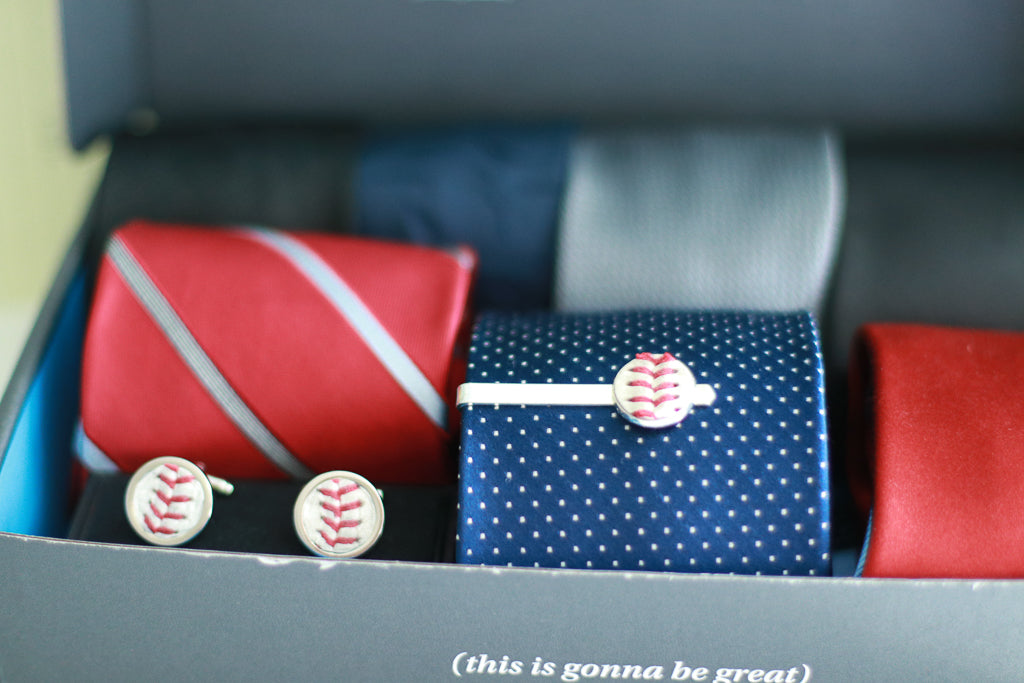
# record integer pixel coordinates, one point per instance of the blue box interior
(35, 470)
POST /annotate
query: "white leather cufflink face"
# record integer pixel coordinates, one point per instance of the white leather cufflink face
(339, 514)
(170, 500)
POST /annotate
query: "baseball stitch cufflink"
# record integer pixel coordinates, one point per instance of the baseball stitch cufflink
(339, 514)
(169, 500)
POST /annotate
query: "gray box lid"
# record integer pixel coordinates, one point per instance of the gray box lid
(863, 64)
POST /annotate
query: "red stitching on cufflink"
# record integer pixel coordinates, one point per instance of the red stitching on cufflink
(336, 508)
(168, 499)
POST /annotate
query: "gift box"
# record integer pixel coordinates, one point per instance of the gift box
(231, 113)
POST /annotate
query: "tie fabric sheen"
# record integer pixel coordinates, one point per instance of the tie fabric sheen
(727, 219)
(936, 437)
(266, 354)
(739, 486)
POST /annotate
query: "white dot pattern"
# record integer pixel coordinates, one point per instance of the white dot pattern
(737, 487)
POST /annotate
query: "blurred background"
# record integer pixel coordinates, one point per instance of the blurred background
(44, 186)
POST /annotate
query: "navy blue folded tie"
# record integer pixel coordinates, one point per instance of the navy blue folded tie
(497, 188)
(689, 442)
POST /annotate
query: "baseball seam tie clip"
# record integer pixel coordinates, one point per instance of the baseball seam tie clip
(652, 391)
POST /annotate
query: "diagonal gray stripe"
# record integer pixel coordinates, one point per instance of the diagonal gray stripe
(91, 455)
(199, 363)
(391, 355)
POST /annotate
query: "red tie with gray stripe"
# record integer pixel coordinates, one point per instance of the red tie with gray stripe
(269, 354)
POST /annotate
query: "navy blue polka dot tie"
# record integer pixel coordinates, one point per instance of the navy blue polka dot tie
(690, 442)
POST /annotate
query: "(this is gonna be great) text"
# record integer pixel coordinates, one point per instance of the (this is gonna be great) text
(466, 664)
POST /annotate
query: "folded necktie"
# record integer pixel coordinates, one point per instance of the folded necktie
(936, 444)
(267, 354)
(227, 175)
(707, 452)
(908, 254)
(718, 218)
(495, 187)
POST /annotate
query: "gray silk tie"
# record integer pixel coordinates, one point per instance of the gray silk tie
(691, 217)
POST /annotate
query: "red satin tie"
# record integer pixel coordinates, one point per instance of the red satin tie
(259, 306)
(937, 450)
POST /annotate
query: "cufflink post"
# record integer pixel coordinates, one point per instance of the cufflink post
(221, 486)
